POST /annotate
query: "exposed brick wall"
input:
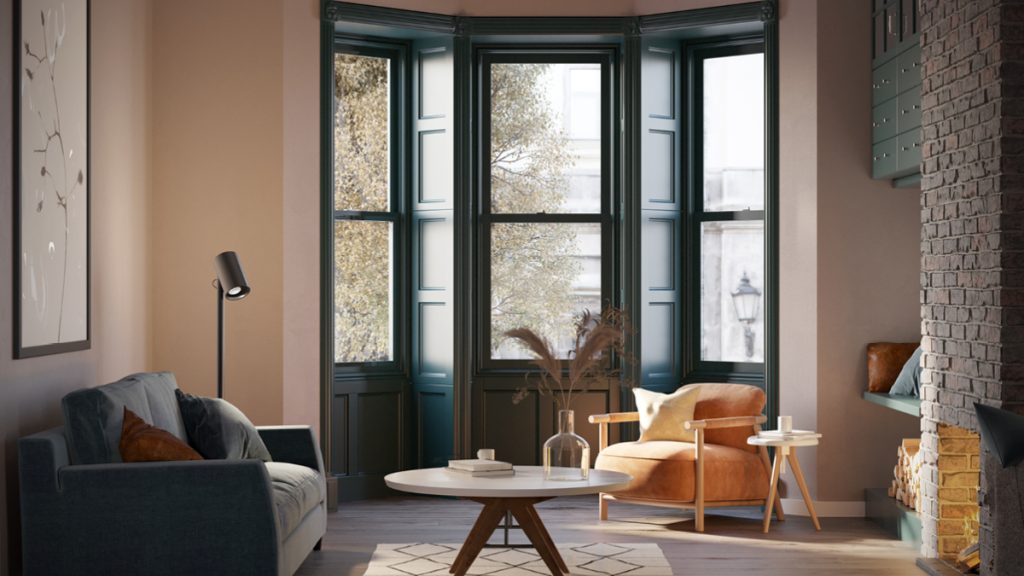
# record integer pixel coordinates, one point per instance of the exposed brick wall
(972, 245)
(959, 468)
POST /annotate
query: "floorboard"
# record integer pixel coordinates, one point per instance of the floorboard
(732, 543)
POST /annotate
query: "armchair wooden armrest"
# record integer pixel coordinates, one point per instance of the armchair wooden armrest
(614, 418)
(732, 422)
(603, 420)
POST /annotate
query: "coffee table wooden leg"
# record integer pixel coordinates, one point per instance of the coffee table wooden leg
(547, 537)
(795, 464)
(534, 530)
(486, 522)
(772, 490)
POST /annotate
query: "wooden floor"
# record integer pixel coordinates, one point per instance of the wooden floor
(732, 544)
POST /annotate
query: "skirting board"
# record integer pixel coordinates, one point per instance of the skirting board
(827, 509)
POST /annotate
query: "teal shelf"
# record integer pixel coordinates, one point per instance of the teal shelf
(900, 522)
(906, 404)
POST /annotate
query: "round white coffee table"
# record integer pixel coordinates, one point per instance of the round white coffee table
(501, 495)
(784, 449)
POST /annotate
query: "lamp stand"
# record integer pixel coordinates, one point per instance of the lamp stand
(220, 339)
(748, 339)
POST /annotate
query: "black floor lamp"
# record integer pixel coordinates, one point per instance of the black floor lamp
(231, 285)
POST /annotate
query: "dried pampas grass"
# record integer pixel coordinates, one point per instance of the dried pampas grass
(597, 340)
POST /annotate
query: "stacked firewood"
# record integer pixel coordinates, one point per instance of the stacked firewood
(906, 485)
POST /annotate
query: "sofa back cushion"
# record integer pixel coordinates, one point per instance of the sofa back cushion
(725, 401)
(93, 416)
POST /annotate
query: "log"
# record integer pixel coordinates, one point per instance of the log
(906, 484)
(969, 559)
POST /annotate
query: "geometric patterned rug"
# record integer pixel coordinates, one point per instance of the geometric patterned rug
(583, 559)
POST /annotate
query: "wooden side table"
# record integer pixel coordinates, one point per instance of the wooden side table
(784, 449)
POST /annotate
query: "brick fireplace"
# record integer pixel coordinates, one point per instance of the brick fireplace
(972, 277)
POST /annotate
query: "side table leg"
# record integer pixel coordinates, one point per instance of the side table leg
(803, 488)
(772, 489)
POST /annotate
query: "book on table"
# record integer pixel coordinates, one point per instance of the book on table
(791, 435)
(483, 473)
(476, 465)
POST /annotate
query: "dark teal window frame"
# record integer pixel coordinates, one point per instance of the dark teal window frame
(398, 54)
(484, 55)
(390, 26)
(694, 368)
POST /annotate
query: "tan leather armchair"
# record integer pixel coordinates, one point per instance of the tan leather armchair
(718, 469)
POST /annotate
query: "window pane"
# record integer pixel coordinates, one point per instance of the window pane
(363, 301)
(734, 133)
(545, 138)
(361, 133)
(542, 277)
(730, 252)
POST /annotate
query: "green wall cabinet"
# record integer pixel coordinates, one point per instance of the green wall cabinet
(895, 90)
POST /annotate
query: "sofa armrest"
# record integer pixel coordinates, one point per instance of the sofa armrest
(197, 517)
(294, 445)
(731, 422)
(40, 457)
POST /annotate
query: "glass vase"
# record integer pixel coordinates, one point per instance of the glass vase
(566, 454)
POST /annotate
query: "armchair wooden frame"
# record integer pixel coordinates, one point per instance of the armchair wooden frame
(698, 426)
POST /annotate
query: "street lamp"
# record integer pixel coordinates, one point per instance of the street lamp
(747, 301)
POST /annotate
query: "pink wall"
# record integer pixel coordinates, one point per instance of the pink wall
(218, 185)
(31, 389)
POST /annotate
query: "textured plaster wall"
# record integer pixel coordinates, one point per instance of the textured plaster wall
(31, 389)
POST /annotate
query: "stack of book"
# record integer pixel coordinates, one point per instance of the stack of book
(791, 435)
(478, 468)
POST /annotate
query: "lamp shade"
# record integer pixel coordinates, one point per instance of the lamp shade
(747, 300)
(230, 276)
(1002, 432)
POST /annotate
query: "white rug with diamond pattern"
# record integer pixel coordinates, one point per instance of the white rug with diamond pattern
(584, 559)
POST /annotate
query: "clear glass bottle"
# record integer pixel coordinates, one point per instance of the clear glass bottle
(566, 454)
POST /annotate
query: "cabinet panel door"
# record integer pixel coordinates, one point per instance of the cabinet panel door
(910, 68)
(883, 158)
(883, 82)
(892, 27)
(884, 124)
(910, 109)
(910, 151)
(908, 19)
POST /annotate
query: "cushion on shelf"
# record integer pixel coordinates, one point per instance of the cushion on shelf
(662, 415)
(220, 431)
(141, 442)
(297, 490)
(663, 470)
(93, 417)
(885, 361)
(908, 383)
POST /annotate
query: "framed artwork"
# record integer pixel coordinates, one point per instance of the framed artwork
(51, 177)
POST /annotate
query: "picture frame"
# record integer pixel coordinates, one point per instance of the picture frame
(51, 170)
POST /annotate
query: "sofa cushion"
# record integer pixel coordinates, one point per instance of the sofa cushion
(141, 442)
(93, 416)
(297, 490)
(727, 401)
(220, 431)
(664, 470)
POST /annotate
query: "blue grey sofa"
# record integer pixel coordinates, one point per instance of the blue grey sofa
(85, 512)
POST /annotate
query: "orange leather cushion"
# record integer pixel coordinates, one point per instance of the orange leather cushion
(665, 470)
(885, 360)
(142, 442)
(724, 401)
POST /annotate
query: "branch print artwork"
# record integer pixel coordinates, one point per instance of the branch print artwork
(53, 168)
